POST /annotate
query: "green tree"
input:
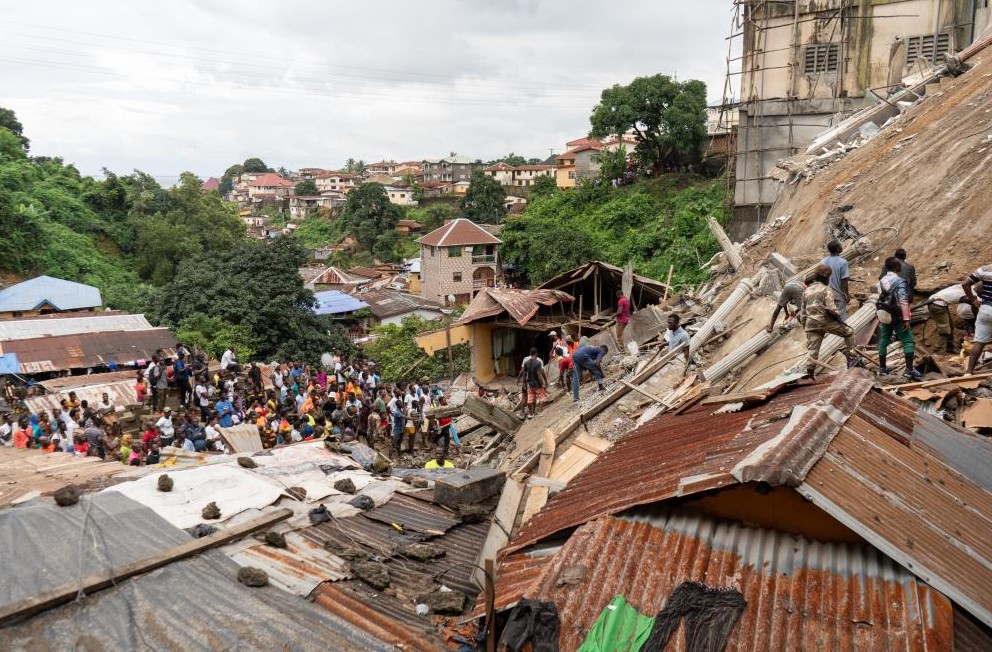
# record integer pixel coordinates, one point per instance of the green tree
(612, 163)
(230, 174)
(255, 165)
(255, 286)
(399, 358)
(512, 159)
(368, 213)
(9, 121)
(484, 201)
(306, 188)
(667, 117)
(315, 232)
(543, 186)
(355, 167)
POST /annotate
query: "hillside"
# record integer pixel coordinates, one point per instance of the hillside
(927, 175)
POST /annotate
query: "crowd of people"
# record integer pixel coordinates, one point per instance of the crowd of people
(341, 398)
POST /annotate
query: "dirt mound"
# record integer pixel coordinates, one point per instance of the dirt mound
(929, 175)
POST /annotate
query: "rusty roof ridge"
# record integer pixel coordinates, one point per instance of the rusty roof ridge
(787, 458)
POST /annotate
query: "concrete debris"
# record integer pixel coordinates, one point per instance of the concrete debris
(362, 502)
(423, 551)
(250, 576)
(420, 482)
(345, 485)
(202, 530)
(211, 512)
(446, 603)
(345, 552)
(164, 482)
(473, 513)
(66, 496)
(275, 539)
(247, 462)
(372, 573)
(472, 486)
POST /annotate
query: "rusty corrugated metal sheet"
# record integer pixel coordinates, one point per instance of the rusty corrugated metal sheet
(414, 514)
(670, 456)
(521, 305)
(89, 349)
(121, 394)
(800, 595)
(298, 568)
(28, 472)
(242, 438)
(380, 615)
(516, 577)
(912, 506)
(788, 458)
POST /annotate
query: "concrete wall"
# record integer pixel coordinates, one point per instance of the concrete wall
(423, 314)
(437, 270)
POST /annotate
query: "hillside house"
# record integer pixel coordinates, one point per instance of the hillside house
(211, 184)
(458, 260)
(303, 206)
(501, 172)
(337, 181)
(269, 186)
(450, 169)
(45, 295)
(407, 227)
(381, 168)
(525, 175)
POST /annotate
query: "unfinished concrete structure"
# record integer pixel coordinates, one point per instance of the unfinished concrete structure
(803, 65)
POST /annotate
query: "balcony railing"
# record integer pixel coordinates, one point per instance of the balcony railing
(490, 258)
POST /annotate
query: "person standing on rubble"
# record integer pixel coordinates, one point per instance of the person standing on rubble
(983, 312)
(840, 276)
(590, 358)
(894, 317)
(939, 308)
(675, 336)
(907, 273)
(623, 315)
(823, 317)
(535, 380)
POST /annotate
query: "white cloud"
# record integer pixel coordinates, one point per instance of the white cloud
(187, 85)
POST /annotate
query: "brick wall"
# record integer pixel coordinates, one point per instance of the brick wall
(437, 270)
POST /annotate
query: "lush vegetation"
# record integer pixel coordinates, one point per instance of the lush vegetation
(251, 297)
(483, 203)
(399, 358)
(651, 223)
(667, 117)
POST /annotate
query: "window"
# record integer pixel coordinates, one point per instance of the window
(923, 47)
(454, 252)
(821, 57)
(571, 174)
(456, 277)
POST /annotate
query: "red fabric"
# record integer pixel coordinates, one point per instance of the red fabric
(623, 310)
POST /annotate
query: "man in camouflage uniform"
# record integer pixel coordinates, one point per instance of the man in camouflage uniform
(822, 317)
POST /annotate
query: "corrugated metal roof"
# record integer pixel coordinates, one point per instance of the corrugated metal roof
(9, 364)
(59, 293)
(27, 472)
(516, 575)
(459, 233)
(521, 305)
(673, 455)
(390, 303)
(89, 349)
(298, 568)
(800, 595)
(335, 276)
(24, 329)
(912, 506)
(644, 286)
(379, 614)
(334, 302)
(413, 514)
(120, 392)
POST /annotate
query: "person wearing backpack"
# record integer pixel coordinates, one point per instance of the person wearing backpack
(154, 376)
(892, 309)
(535, 381)
(822, 318)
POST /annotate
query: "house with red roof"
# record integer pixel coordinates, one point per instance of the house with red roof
(458, 260)
(269, 185)
(213, 183)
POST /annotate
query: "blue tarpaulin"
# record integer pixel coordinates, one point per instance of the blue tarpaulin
(334, 302)
(9, 364)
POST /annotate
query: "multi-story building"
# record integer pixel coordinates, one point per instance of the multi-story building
(525, 175)
(269, 185)
(805, 65)
(457, 260)
(336, 181)
(400, 195)
(450, 169)
(382, 168)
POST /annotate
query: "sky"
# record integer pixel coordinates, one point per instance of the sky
(196, 85)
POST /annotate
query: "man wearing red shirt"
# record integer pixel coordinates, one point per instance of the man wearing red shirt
(623, 315)
(565, 369)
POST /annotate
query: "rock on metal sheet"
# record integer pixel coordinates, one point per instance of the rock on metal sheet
(298, 568)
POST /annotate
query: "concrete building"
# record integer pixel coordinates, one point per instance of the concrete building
(269, 185)
(806, 65)
(458, 260)
(401, 196)
(501, 172)
(450, 169)
(336, 181)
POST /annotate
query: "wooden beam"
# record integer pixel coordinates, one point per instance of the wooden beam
(653, 397)
(927, 384)
(501, 420)
(68, 592)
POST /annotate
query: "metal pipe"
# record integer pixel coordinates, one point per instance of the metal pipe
(740, 294)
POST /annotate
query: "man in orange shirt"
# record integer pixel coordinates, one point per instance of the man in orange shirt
(21, 435)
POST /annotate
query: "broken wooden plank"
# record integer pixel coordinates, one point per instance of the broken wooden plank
(538, 495)
(978, 414)
(70, 591)
(927, 384)
(491, 414)
(443, 411)
(501, 527)
(646, 393)
(693, 397)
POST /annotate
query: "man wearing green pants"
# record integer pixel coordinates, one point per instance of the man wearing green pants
(894, 317)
